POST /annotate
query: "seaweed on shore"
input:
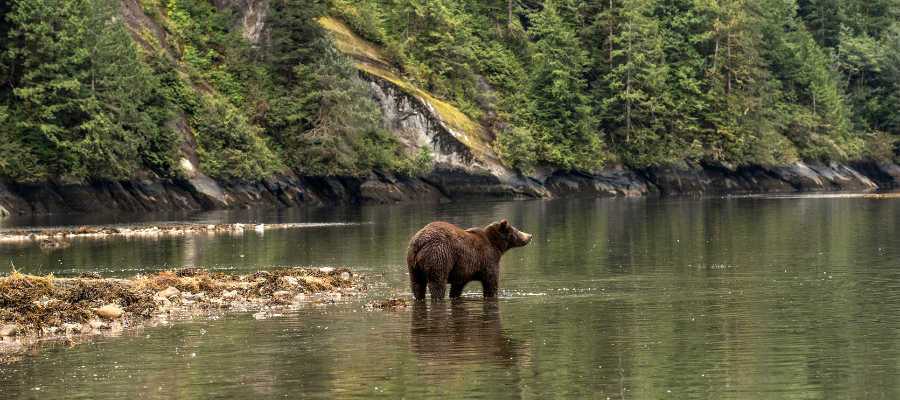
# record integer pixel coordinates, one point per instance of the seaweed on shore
(34, 303)
(388, 303)
(39, 305)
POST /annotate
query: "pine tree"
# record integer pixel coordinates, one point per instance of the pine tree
(637, 91)
(558, 94)
(83, 96)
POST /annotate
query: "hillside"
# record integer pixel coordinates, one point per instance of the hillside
(507, 94)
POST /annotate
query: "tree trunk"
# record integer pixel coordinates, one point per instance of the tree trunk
(628, 84)
(822, 14)
(729, 62)
(716, 53)
(610, 35)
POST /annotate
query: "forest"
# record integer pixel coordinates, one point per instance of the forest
(570, 84)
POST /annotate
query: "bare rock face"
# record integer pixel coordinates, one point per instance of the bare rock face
(391, 189)
(885, 174)
(251, 17)
(206, 191)
(612, 181)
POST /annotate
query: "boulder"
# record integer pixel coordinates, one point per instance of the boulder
(8, 329)
(109, 311)
(169, 292)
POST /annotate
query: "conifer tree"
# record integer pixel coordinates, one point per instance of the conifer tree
(557, 92)
(84, 102)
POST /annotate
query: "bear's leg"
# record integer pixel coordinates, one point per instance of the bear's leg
(491, 286)
(437, 289)
(456, 289)
(418, 283)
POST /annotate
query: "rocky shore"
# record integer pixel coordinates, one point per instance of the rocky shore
(34, 309)
(445, 183)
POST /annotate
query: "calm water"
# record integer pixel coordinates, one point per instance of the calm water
(777, 297)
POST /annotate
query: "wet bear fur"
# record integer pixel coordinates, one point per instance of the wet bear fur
(443, 253)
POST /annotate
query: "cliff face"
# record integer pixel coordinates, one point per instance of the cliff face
(251, 15)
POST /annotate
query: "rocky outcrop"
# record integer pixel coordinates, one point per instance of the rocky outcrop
(885, 174)
(251, 15)
(723, 178)
(613, 181)
(147, 192)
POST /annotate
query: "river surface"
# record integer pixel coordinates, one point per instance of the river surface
(737, 297)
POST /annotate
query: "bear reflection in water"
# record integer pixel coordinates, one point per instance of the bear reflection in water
(467, 331)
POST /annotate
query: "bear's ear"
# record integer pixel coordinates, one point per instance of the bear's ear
(504, 225)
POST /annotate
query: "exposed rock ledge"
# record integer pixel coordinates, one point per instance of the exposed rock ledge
(445, 183)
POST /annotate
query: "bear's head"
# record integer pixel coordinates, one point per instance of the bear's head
(513, 236)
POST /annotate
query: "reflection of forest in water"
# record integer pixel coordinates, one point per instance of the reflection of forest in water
(621, 298)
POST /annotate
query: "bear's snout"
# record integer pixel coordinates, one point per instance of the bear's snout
(525, 238)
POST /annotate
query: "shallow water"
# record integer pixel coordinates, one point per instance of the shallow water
(742, 297)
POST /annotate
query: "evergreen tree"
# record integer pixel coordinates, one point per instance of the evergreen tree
(560, 105)
(637, 94)
(84, 104)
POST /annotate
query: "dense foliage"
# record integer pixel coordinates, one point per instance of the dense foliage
(83, 95)
(645, 82)
(574, 84)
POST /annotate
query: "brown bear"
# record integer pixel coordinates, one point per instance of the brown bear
(443, 253)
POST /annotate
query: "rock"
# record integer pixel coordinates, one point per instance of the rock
(95, 324)
(205, 191)
(115, 326)
(230, 295)
(90, 275)
(240, 285)
(72, 328)
(193, 297)
(388, 303)
(169, 292)
(345, 275)
(289, 281)
(282, 296)
(162, 302)
(261, 315)
(238, 304)
(8, 330)
(3, 212)
(109, 311)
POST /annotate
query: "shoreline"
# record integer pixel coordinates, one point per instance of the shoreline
(42, 309)
(446, 182)
(50, 239)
